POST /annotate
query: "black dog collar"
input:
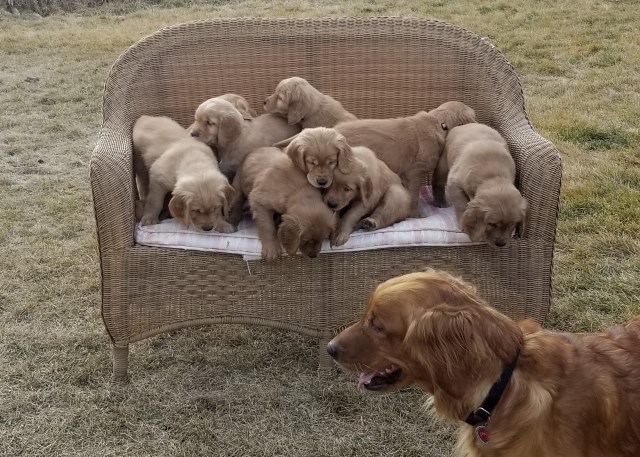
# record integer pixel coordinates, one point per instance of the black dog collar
(482, 415)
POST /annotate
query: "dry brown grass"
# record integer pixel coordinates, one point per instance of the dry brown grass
(238, 391)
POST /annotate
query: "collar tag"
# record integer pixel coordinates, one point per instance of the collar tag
(482, 434)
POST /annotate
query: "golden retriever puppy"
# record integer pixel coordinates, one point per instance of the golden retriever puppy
(178, 164)
(374, 195)
(300, 102)
(410, 146)
(317, 152)
(513, 388)
(278, 190)
(221, 126)
(241, 104)
(479, 173)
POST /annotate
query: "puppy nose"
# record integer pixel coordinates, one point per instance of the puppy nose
(322, 181)
(332, 204)
(501, 243)
(207, 228)
(332, 350)
(195, 134)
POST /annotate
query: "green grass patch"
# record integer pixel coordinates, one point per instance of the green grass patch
(595, 138)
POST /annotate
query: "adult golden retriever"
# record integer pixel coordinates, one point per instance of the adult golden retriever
(221, 126)
(277, 189)
(300, 102)
(479, 173)
(372, 194)
(167, 160)
(568, 395)
(318, 151)
(410, 146)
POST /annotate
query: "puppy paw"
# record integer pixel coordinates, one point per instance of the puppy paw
(368, 223)
(225, 227)
(149, 220)
(339, 239)
(271, 252)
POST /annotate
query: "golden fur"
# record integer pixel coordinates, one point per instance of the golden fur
(221, 126)
(300, 102)
(168, 160)
(275, 186)
(571, 395)
(479, 173)
(375, 196)
(410, 146)
(318, 151)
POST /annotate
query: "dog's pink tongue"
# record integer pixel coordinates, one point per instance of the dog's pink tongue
(365, 378)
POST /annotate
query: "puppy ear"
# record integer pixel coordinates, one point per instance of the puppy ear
(472, 221)
(295, 151)
(230, 127)
(227, 195)
(525, 214)
(298, 101)
(179, 207)
(366, 189)
(345, 155)
(289, 233)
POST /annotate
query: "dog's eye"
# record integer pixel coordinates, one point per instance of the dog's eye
(347, 189)
(376, 327)
(210, 122)
(332, 162)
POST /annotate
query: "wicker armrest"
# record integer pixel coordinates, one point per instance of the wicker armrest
(540, 173)
(112, 187)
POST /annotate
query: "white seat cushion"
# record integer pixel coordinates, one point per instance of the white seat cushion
(438, 227)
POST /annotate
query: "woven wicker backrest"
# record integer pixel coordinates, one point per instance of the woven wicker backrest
(377, 67)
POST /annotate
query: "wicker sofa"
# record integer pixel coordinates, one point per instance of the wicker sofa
(377, 67)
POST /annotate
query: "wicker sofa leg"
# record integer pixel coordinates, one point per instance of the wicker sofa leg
(120, 363)
(324, 360)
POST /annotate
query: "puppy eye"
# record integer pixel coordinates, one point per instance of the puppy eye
(347, 189)
(210, 122)
(332, 162)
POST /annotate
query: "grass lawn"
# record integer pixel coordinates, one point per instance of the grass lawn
(243, 391)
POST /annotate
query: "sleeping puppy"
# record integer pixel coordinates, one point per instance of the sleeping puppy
(547, 394)
(374, 195)
(479, 173)
(410, 146)
(173, 162)
(300, 102)
(221, 126)
(275, 186)
(241, 104)
(317, 152)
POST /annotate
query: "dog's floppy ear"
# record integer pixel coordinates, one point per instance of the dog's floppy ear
(345, 155)
(179, 207)
(227, 194)
(295, 151)
(298, 101)
(521, 228)
(230, 127)
(453, 342)
(472, 220)
(366, 189)
(289, 233)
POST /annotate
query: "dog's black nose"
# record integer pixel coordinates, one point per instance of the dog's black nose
(207, 228)
(322, 181)
(331, 349)
(501, 243)
(332, 204)
(195, 134)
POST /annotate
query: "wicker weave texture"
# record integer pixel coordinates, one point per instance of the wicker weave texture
(376, 67)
